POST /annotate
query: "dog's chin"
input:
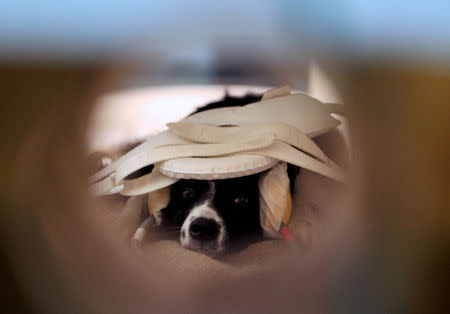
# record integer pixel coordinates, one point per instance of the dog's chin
(211, 250)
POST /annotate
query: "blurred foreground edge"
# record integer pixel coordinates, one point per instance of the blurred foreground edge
(400, 122)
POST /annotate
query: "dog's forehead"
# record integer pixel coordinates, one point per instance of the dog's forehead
(206, 185)
(241, 183)
(199, 185)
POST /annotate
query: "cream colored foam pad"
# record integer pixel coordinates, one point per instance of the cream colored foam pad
(268, 131)
(219, 167)
(161, 139)
(310, 116)
(216, 168)
(274, 199)
(233, 166)
(282, 132)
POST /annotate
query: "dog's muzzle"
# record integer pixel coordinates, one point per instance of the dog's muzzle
(203, 230)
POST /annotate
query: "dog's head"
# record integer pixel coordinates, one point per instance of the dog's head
(209, 215)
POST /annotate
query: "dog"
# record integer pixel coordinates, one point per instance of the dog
(212, 216)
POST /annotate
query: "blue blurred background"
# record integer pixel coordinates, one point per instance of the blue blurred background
(200, 32)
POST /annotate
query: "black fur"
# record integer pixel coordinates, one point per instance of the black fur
(230, 101)
(179, 207)
(240, 219)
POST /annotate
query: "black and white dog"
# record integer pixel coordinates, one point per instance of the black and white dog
(212, 216)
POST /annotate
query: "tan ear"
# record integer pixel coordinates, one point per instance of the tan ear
(275, 199)
(158, 200)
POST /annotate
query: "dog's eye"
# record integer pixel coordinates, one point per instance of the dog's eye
(187, 193)
(241, 200)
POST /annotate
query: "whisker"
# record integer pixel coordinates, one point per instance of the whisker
(164, 231)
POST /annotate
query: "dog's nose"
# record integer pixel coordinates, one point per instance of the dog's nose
(204, 229)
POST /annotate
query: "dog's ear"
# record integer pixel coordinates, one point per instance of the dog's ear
(274, 199)
(158, 200)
